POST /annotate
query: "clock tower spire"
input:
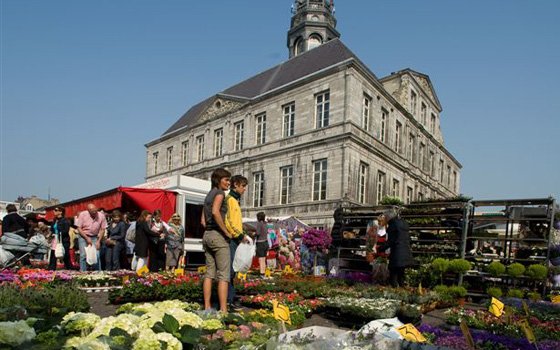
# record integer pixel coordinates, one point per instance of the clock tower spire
(313, 23)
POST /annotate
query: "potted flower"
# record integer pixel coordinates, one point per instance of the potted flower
(459, 293)
(318, 242)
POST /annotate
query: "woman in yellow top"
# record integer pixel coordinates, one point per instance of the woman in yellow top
(234, 225)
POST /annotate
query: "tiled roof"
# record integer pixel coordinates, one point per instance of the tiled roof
(312, 61)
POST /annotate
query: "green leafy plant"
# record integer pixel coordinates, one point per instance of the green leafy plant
(534, 296)
(390, 200)
(457, 291)
(496, 268)
(536, 272)
(440, 265)
(459, 266)
(494, 292)
(515, 293)
(515, 270)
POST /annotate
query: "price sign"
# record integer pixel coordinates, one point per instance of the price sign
(179, 272)
(525, 308)
(528, 331)
(267, 272)
(281, 312)
(143, 270)
(202, 269)
(288, 269)
(467, 334)
(410, 333)
(555, 299)
(496, 307)
(242, 276)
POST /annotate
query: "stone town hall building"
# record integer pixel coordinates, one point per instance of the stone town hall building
(315, 132)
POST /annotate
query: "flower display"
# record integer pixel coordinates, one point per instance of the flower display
(369, 309)
(80, 343)
(317, 240)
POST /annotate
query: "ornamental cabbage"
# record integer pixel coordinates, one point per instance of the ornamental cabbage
(75, 322)
(147, 340)
(170, 341)
(80, 343)
(212, 324)
(15, 333)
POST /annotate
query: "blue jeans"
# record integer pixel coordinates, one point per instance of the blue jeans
(113, 257)
(231, 289)
(82, 244)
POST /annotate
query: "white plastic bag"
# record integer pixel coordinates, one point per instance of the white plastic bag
(91, 254)
(59, 250)
(5, 256)
(244, 256)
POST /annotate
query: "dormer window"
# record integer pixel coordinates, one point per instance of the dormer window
(314, 41)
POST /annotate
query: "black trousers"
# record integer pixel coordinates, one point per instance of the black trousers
(66, 259)
(396, 276)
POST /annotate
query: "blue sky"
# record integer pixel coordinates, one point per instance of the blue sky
(85, 84)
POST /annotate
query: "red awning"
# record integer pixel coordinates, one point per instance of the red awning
(124, 198)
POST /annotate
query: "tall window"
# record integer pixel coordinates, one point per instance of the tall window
(184, 152)
(380, 186)
(238, 137)
(289, 120)
(420, 196)
(155, 157)
(384, 118)
(200, 148)
(441, 171)
(448, 176)
(363, 183)
(413, 102)
(423, 113)
(169, 158)
(398, 133)
(320, 180)
(366, 110)
(432, 164)
(322, 102)
(454, 180)
(409, 194)
(286, 184)
(421, 156)
(411, 147)
(218, 142)
(258, 189)
(433, 123)
(261, 128)
(396, 189)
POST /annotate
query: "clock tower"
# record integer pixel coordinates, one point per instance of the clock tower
(312, 24)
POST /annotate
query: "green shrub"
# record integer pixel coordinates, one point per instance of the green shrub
(515, 293)
(389, 200)
(496, 268)
(534, 296)
(440, 265)
(458, 291)
(441, 289)
(536, 272)
(459, 266)
(516, 270)
(494, 292)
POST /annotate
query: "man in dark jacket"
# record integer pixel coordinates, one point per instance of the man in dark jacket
(398, 241)
(13, 222)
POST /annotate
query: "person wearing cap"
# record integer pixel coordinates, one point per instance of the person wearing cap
(174, 241)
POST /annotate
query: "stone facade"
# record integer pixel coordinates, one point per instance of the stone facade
(382, 136)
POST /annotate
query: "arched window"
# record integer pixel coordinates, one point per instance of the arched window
(298, 46)
(314, 41)
(29, 207)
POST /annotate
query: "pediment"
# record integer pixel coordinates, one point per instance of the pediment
(219, 107)
(427, 86)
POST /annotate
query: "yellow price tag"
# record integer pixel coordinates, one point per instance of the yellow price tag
(420, 289)
(525, 308)
(281, 312)
(143, 270)
(202, 269)
(496, 307)
(125, 279)
(555, 299)
(267, 272)
(242, 276)
(410, 333)
(528, 331)
(179, 272)
(288, 269)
